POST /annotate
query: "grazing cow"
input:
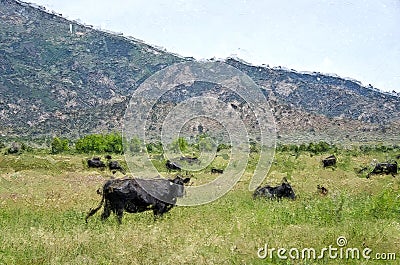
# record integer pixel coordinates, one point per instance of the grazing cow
(278, 192)
(389, 167)
(216, 170)
(172, 166)
(137, 195)
(95, 162)
(329, 161)
(190, 160)
(113, 166)
(322, 190)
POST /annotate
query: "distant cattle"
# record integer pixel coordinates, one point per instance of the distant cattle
(190, 160)
(329, 161)
(322, 190)
(282, 191)
(135, 195)
(95, 162)
(170, 165)
(389, 167)
(217, 171)
(114, 166)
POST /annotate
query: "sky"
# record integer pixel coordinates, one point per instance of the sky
(356, 39)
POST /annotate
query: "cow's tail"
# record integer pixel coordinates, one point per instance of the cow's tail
(93, 211)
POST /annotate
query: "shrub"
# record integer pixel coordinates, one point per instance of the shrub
(135, 145)
(59, 145)
(15, 148)
(110, 143)
(179, 145)
(154, 148)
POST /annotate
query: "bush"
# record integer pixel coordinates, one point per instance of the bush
(313, 148)
(154, 148)
(59, 145)
(110, 143)
(223, 147)
(179, 145)
(135, 145)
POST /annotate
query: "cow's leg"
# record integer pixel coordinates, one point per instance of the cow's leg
(118, 209)
(106, 211)
(120, 214)
(159, 209)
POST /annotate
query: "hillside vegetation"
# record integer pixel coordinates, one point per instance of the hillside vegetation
(60, 77)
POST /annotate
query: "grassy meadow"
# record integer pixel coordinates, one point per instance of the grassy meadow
(44, 199)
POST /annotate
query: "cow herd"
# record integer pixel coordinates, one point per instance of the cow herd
(112, 165)
(159, 195)
(388, 167)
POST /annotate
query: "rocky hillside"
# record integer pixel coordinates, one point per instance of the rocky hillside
(60, 77)
(317, 106)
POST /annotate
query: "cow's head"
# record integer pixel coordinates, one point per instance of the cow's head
(286, 190)
(178, 182)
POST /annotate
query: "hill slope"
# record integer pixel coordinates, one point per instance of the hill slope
(62, 77)
(313, 105)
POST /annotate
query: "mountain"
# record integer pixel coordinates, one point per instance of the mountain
(60, 77)
(323, 107)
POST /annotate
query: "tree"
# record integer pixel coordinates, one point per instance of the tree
(15, 148)
(179, 144)
(154, 148)
(59, 145)
(135, 145)
(111, 143)
(206, 143)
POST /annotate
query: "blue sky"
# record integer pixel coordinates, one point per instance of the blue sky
(358, 39)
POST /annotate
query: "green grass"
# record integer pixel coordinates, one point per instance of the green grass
(44, 200)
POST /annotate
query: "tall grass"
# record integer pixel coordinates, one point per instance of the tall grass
(44, 200)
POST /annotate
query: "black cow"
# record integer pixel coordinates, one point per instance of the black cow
(329, 161)
(389, 167)
(113, 166)
(95, 162)
(172, 166)
(137, 195)
(278, 192)
(216, 170)
(190, 160)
